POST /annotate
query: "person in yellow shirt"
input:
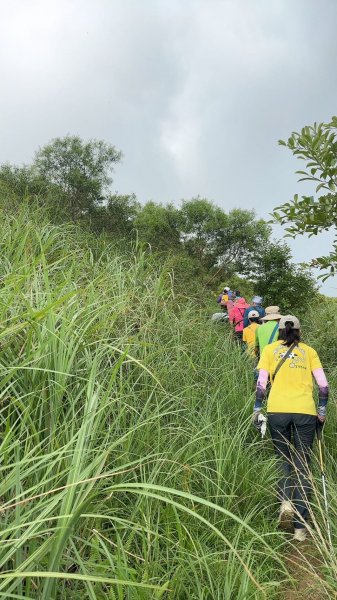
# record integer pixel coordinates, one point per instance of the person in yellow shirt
(248, 336)
(223, 298)
(292, 415)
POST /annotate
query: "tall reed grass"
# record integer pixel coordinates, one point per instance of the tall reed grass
(129, 469)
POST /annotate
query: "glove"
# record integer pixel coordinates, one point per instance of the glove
(260, 422)
(321, 414)
(255, 419)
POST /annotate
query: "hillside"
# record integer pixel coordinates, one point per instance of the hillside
(129, 466)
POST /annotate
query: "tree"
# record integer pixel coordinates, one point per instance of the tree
(117, 216)
(228, 241)
(22, 181)
(200, 222)
(159, 225)
(81, 170)
(238, 245)
(282, 282)
(317, 146)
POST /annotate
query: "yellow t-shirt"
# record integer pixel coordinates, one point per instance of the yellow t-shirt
(249, 337)
(292, 390)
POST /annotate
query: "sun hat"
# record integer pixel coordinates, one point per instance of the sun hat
(272, 314)
(257, 299)
(253, 314)
(295, 324)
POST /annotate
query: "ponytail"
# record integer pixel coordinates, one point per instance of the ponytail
(289, 335)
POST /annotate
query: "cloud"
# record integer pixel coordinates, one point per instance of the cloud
(195, 93)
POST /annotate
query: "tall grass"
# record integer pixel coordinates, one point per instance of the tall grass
(128, 466)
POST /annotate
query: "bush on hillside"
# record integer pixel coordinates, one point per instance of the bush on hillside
(283, 283)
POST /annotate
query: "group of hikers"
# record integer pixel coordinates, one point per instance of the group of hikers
(285, 370)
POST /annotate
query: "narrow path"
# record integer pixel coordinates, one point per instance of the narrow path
(306, 568)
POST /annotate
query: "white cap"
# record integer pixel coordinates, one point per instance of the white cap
(295, 324)
(253, 314)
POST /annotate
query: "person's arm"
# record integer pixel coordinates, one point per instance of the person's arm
(257, 345)
(261, 388)
(262, 381)
(260, 395)
(323, 386)
(323, 393)
(244, 340)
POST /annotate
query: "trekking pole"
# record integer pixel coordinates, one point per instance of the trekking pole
(319, 428)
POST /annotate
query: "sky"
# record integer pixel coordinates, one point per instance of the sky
(196, 93)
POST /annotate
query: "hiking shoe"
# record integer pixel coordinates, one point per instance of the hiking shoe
(300, 535)
(286, 515)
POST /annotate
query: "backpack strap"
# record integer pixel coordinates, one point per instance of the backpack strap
(273, 333)
(242, 315)
(282, 361)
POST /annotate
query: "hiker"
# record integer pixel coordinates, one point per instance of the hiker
(268, 332)
(224, 291)
(236, 316)
(233, 296)
(231, 300)
(256, 304)
(223, 298)
(249, 332)
(292, 416)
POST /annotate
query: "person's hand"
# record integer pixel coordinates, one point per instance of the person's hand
(321, 415)
(255, 419)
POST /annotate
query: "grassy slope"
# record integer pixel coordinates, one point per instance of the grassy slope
(126, 450)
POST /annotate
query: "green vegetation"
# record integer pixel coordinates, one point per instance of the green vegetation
(129, 466)
(278, 278)
(130, 469)
(317, 146)
(206, 246)
(74, 174)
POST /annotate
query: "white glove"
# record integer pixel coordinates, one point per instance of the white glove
(262, 421)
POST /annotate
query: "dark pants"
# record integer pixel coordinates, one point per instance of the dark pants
(238, 336)
(293, 436)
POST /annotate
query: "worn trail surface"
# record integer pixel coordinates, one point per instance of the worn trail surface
(306, 568)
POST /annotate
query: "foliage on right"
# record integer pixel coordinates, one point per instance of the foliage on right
(317, 146)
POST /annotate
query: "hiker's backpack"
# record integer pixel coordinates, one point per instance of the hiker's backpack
(236, 323)
(224, 300)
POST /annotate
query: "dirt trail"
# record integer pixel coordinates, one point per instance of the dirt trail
(306, 568)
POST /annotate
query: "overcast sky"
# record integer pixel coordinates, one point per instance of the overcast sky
(195, 93)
